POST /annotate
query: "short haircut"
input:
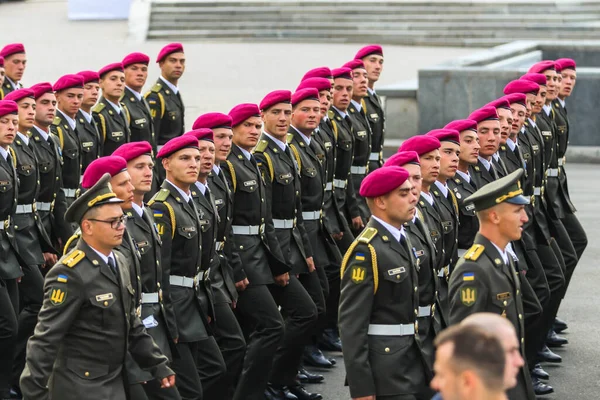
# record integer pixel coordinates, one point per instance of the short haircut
(476, 350)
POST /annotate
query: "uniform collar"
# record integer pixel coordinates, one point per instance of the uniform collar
(216, 169)
(397, 233)
(443, 187)
(102, 256)
(511, 144)
(88, 117)
(115, 106)
(43, 134)
(186, 196)
(69, 120)
(465, 176)
(342, 113)
(496, 156)
(174, 88)
(532, 122)
(562, 102)
(245, 152)
(279, 143)
(201, 187)
(428, 197)
(304, 137)
(357, 105)
(15, 85)
(139, 210)
(503, 253)
(547, 108)
(485, 163)
(137, 95)
(3, 153)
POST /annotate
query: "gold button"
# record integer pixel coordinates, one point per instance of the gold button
(416, 312)
(505, 303)
(397, 276)
(105, 303)
(416, 288)
(520, 316)
(517, 292)
(87, 373)
(387, 349)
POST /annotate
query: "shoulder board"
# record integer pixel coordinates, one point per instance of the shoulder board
(99, 107)
(160, 196)
(73, 258)
(156, 88)
(56, 120)
(261, 146)
(474, 252)
(367, 235)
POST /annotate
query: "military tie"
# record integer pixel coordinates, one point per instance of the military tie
(113, 266)
(492, 171)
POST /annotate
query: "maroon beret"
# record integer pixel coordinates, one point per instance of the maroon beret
(540, 79)
(521, 86)
(499, 103)
(169, 49)
(542, 66)
(320, 72)
(68, 82)
(276, 97)
(110, 68)
(565, 63)
(344, 73)
(485, 113)
(112, 165)
(462, 125)
(402, 158)
(89, 76)
(317, 83)
(212, 121)
(1, 62)
(8, 107)
(135, 58)
(368, 50)
(176, 144)
(13, 48)
(516, 98)
(20, 94)
(354, 64)
(445, 135)
(242, 112)
(201, 134)
(41, 89)
(132, 150)
(382, 181)
(305, 94)
(421, 144)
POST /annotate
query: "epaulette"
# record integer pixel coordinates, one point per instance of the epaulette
(289, 138)
(73, 258)
(161, 196)
(74, 236)
(335, 128)
(474, 252)
(373, 260)
(156, 88)
(261, 146)
(99, 107)
(367, 235)
(232, 172)
(56, 120)
(296, 156)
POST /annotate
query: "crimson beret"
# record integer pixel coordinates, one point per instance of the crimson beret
(540, 79)
(8, 107)
(242, 112)
(201, 134)
(485, 113)
(276, 97)
(1, 62)
(542, 66)
(89, 76)
(344, 73)
(382, 181)
(176, 144)
(565, 63)
(354, 64)
(132, 150)
(445, 135)
(212, 121)
(317, 83)
(169, 49)
(462, 125)
(421, 144)
(305, 94)
(20, 94)
(112, 165)
(135, 58)
(319, 72)
(516, 98)
(41, 89)
(402, 158)
(109, 68)
(13, 48)
(521, 86)
(68, 82)
(368, 50)
(499, 103)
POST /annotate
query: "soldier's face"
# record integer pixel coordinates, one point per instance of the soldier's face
(173, 66)
(2, 75)
(123, 188)
(530, 103)
(69, 100)
(449, 156)
(510, 219)
(223, 138)
(306, 115)
(415, 177)
(342, 93)
(8, 129)
(112, 84)
(91, 92)
(469, 147)
(489, 137)
(325, 100)
(519, 111)
(136, 75)
(277, 119)
(430, 166)
(183, 166)
(15, 66)
(506, 120)
(446, 380)
(540, 100)
(26, 114)
(207, 157)
(374, 66)
(399, 205)
(552, 84)
(360, 83)
(102, 232)
(247, 133)
(45, 109)
(140, 171)
(569, 77)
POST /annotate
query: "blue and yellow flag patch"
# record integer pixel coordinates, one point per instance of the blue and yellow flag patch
(468, 276)
(158, 214)
(360, 257)
(62, 278)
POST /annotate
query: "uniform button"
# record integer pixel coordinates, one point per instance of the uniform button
(157, 284)
(520, 316)
(416, 288)
(241, 247)
(505, 303)
(106, 304)
(387, 350)
(416, 312)
(86, 373)
(16, 227)
(517, 292)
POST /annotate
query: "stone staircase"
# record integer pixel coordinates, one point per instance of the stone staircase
(443, 23)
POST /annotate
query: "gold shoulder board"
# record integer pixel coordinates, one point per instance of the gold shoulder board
(474, 252)
(99, 107)
(73, 258)
(367, 235)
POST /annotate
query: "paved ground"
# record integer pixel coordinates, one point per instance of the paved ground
(577, 377)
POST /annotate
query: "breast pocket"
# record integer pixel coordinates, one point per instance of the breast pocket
(45, 167)
(117, 136)
(103, 312)
(344, 145)
(26, 169)
(503, 302)
(361, 136)
(248, 201)
(71, 154)
(283, 187)
(189, 244)
(87, 147)
(5, 186)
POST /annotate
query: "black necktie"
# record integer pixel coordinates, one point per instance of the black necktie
(113, 266)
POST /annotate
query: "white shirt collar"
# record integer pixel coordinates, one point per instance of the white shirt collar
(103, 257)
(201, 187)
(496, 156)
(137, 95)
(24, 138)
(115, 106)
(428, 197)
(216, 169)
(174, 88)
(70, 120)
(304, 137)
(139, 210)
(371, 91)
(186, 196)
(279, 143)
(547, 108)
(443, 188)
(523, 129)
(532, 122)
(511, 144)
(485, 162)
(357, 105)
(4, 153)
(245, 153)
(397, 233)
(15, 85)
(44, 135)
(465, 176)
(88, 117)
(342, 113)
(562, 102)
(502, 253)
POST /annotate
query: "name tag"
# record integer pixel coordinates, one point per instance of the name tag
(470, 207)
(116, 134)
(535, 147)
(327, 145)
(103, 297)
(374, 116)
(250, 183)
(189, 229)
(140, 121)
(503, 296)
(546, 133)
(87, 145)
(285, 176)
(396, 271)
(419, 253)
(361, 133)
(446, 224)
(218, 201)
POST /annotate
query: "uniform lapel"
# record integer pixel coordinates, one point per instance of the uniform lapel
(97, 261)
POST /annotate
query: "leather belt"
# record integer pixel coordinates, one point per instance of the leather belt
(562, 161)
(182, 281)
(392, 330)
(311, 215)
(219, 246)
(44, 206)
(537, 191)
(245, 230)
(69, 193)
(25, 208)
(357, 170)
(425, 311)
(374, 157)
(284, 223)
(150, 298)
(339, 183)
(329, 187)
(552, 172)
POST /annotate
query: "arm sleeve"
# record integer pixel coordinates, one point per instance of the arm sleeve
(467, 296)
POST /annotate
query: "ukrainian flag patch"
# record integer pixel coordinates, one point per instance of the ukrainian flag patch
(62, 278)
(360, 257)
(158, 214)
(468, 276)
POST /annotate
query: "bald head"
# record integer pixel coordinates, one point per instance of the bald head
(489, 322)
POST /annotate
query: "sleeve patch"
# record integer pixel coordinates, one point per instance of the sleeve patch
(358, 274)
